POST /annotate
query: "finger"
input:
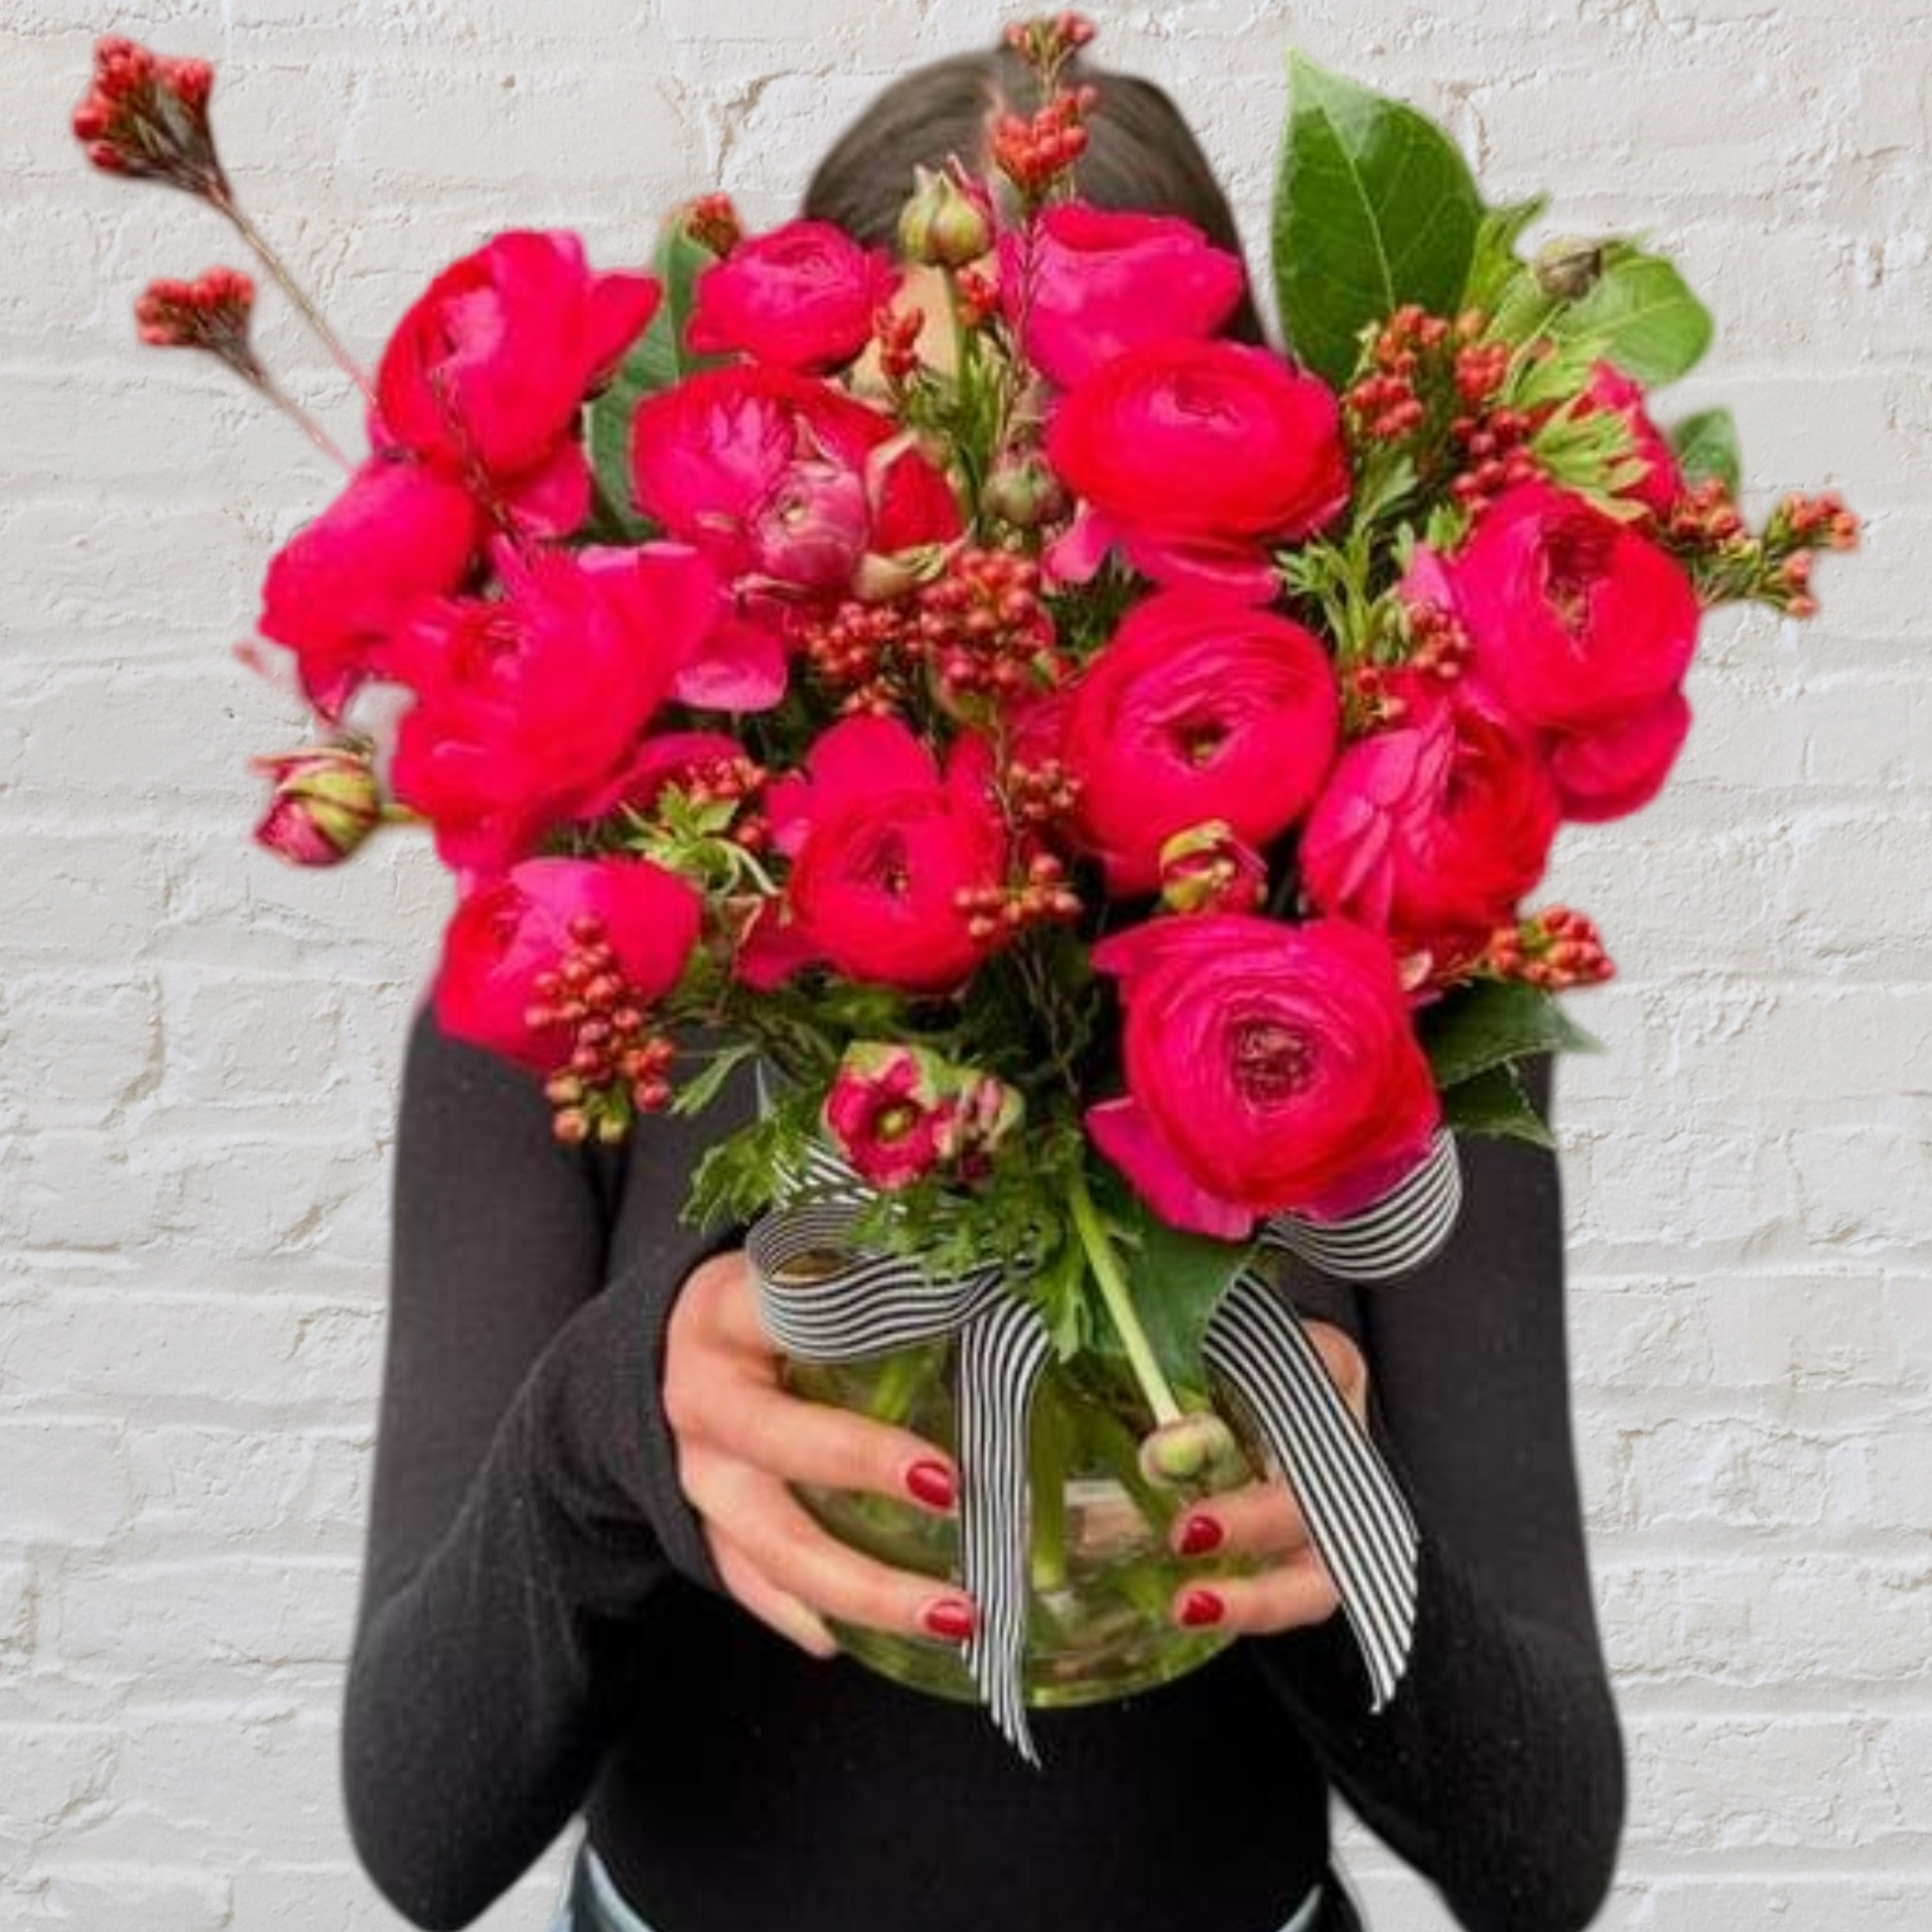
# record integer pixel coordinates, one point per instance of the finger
(821, 1444)
(721, 1302)
(1285, 1596)
(799, 1557)
(777, 1609)
(1346, 1366)
(1260, 1519)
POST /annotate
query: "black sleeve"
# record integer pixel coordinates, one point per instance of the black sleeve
(1497, 1768)
(512, 1533)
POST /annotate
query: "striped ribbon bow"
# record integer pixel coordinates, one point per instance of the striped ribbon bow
(823, 1299)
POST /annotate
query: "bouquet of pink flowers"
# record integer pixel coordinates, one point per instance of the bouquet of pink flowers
(1093, 767)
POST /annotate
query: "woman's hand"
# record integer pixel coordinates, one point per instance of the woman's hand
(741, 1439)
(1264, 1520)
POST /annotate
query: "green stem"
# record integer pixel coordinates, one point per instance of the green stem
(1046, 1480)
(1112, 1283)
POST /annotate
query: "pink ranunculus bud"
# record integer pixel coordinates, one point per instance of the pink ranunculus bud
(326, 802)
(712, 222)
(145, 116)
(812, 526)
(948, 219)
(1023, 491)
(1211, 868)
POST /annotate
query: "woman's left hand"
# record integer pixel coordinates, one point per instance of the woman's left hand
(1263, 1520)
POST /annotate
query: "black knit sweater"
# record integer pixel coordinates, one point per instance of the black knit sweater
(542, 1630)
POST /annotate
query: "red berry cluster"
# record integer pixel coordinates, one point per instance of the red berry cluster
(212, 312)
(983, 628)
(1706, 526)
(1553, 948)
(860, 650)
(712, 222)
(1039, 792)
(1047, 41)
(1040, 897)
(616, 1062)
(146, 115)
(1433, 378)
(977, 298)
(897, 333)
(1814, 519)
(1034, 151)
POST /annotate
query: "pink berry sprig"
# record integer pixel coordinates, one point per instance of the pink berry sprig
(713, 222)
(1040, 896)
(1728, 561)
(145, 116)
(984, 630)
(211, 313)
(1432, 389)
(617, 1063)
(1553, 948)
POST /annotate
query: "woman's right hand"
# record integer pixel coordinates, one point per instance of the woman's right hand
(743, 1439)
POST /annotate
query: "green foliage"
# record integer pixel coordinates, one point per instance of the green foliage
(1493, 1102)
(657, 360)
(741, 1176)
(1176, 1277)
(1705, 445)
(1640, 314)
(1488, 1021)
(1374, 207)
(1494, 263)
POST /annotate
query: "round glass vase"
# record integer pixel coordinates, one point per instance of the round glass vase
(1103, 1575)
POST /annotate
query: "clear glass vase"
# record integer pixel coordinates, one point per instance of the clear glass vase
(1103, 1574)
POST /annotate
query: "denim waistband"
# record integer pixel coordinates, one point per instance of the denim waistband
(594, 1903)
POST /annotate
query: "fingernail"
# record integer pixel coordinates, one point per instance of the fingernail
(1200, 1607)
(1198, 1535)
(949, 1616)
(932, 1483)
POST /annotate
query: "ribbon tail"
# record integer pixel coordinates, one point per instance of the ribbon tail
(1001, 1351)
(1357, 1516)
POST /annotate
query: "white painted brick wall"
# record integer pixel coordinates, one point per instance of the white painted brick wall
(198, 1051)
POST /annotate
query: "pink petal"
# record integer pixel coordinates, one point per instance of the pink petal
(1120, 1129)
(738, 665)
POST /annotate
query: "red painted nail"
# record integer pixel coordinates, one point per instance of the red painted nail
(1198, 1535)
(1200, 1607)
(949, 1616)
(932, 1484)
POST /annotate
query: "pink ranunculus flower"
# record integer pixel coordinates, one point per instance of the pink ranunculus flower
(1271, 1069)
(341, 589)
(1101, 281)
(801, 296)
(1192, 458)
(511, 928)
(882, 843)
(488, 368)
(891, 1116)
(531, 704)
(1201, 706)
(1574, 620)
(1663, 481)
(1432, 830)
(1611, 769)
(713, 457)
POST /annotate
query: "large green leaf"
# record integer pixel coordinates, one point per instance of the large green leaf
(1705, 445)
(1493, 1102)
(1374, 207)
(1494, 263)
(656, 360)
(1642, 316)
(1492, 1021)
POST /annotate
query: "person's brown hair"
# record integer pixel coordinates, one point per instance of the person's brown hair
(1141, 153)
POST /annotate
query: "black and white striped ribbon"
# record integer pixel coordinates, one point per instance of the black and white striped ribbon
(824, 1299)
(1392, 1236)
